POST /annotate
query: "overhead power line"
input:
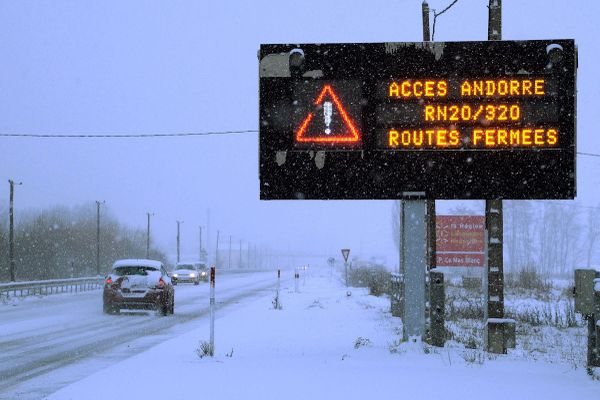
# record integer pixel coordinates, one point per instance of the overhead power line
(121, 136)
(588, 154)
(152, 135)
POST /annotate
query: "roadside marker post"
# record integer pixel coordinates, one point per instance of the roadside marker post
(212, 311)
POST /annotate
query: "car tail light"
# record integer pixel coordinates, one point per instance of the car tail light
(161, 283)
(108, 280)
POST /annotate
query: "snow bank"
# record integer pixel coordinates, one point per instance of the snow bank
(323, 344)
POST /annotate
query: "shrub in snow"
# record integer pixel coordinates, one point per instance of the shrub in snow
(205, 349)
(527, 278)
(361, 342)
(473, 356)
(277, 302)
(376, 278)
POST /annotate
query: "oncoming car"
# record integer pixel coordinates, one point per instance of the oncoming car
(140, 285)
(189, 272)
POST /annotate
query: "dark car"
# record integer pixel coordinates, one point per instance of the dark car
(138, 285)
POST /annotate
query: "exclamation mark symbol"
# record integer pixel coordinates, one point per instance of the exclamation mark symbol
(327, 112)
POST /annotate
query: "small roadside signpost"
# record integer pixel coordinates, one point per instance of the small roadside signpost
(345, 254)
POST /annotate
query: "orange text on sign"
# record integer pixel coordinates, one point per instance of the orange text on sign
(418, 89)
(472, 113)
(524, 137)
(420, 138)
(431, 88)
(476, 138)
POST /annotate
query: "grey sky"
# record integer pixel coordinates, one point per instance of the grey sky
(189, 66)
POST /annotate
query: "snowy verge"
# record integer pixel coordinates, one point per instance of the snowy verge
(323, 344)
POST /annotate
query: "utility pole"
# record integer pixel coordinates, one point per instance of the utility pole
(229, 262)
(200, 250)
(217, 251)
(98, 203)
(148, 236)
(178, 241)
(11, 230)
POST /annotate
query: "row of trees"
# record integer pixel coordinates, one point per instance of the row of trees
(552, 237)
(61, 242)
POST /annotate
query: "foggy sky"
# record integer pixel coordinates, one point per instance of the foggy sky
(190, 66)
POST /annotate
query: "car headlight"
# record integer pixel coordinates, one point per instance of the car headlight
(175, 275)
(192, 275)
(203, 273)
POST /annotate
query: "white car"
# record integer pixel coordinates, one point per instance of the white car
(189, 272)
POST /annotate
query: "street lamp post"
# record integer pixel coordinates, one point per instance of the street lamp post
(178, 224)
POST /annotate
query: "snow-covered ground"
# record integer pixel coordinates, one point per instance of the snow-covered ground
(50, 341)
(323, 344)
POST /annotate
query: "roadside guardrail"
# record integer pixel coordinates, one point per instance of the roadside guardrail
(51, 286)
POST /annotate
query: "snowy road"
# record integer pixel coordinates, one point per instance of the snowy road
(41, 337)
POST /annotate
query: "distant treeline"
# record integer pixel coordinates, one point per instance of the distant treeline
(61, 243)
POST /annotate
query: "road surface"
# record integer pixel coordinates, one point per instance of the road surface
(46, 343)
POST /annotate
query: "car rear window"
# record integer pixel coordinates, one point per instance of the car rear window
(133, 270)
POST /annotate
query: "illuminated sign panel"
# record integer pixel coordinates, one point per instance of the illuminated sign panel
(454, 120)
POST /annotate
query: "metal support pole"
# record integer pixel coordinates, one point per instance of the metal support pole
(229, 262)
(346, 271)
(495, 20)
(212, 309)
(494, 279)
(495, 333)
(425, 9)
(414, 265)
(431, 256)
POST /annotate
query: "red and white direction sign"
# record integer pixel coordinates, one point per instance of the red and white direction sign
(462, 233)
(345, 253)
(459, 240)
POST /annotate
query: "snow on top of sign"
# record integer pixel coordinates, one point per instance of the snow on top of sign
(436, 48)
(501, 321)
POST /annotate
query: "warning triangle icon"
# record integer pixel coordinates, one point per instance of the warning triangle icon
(328, 122)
